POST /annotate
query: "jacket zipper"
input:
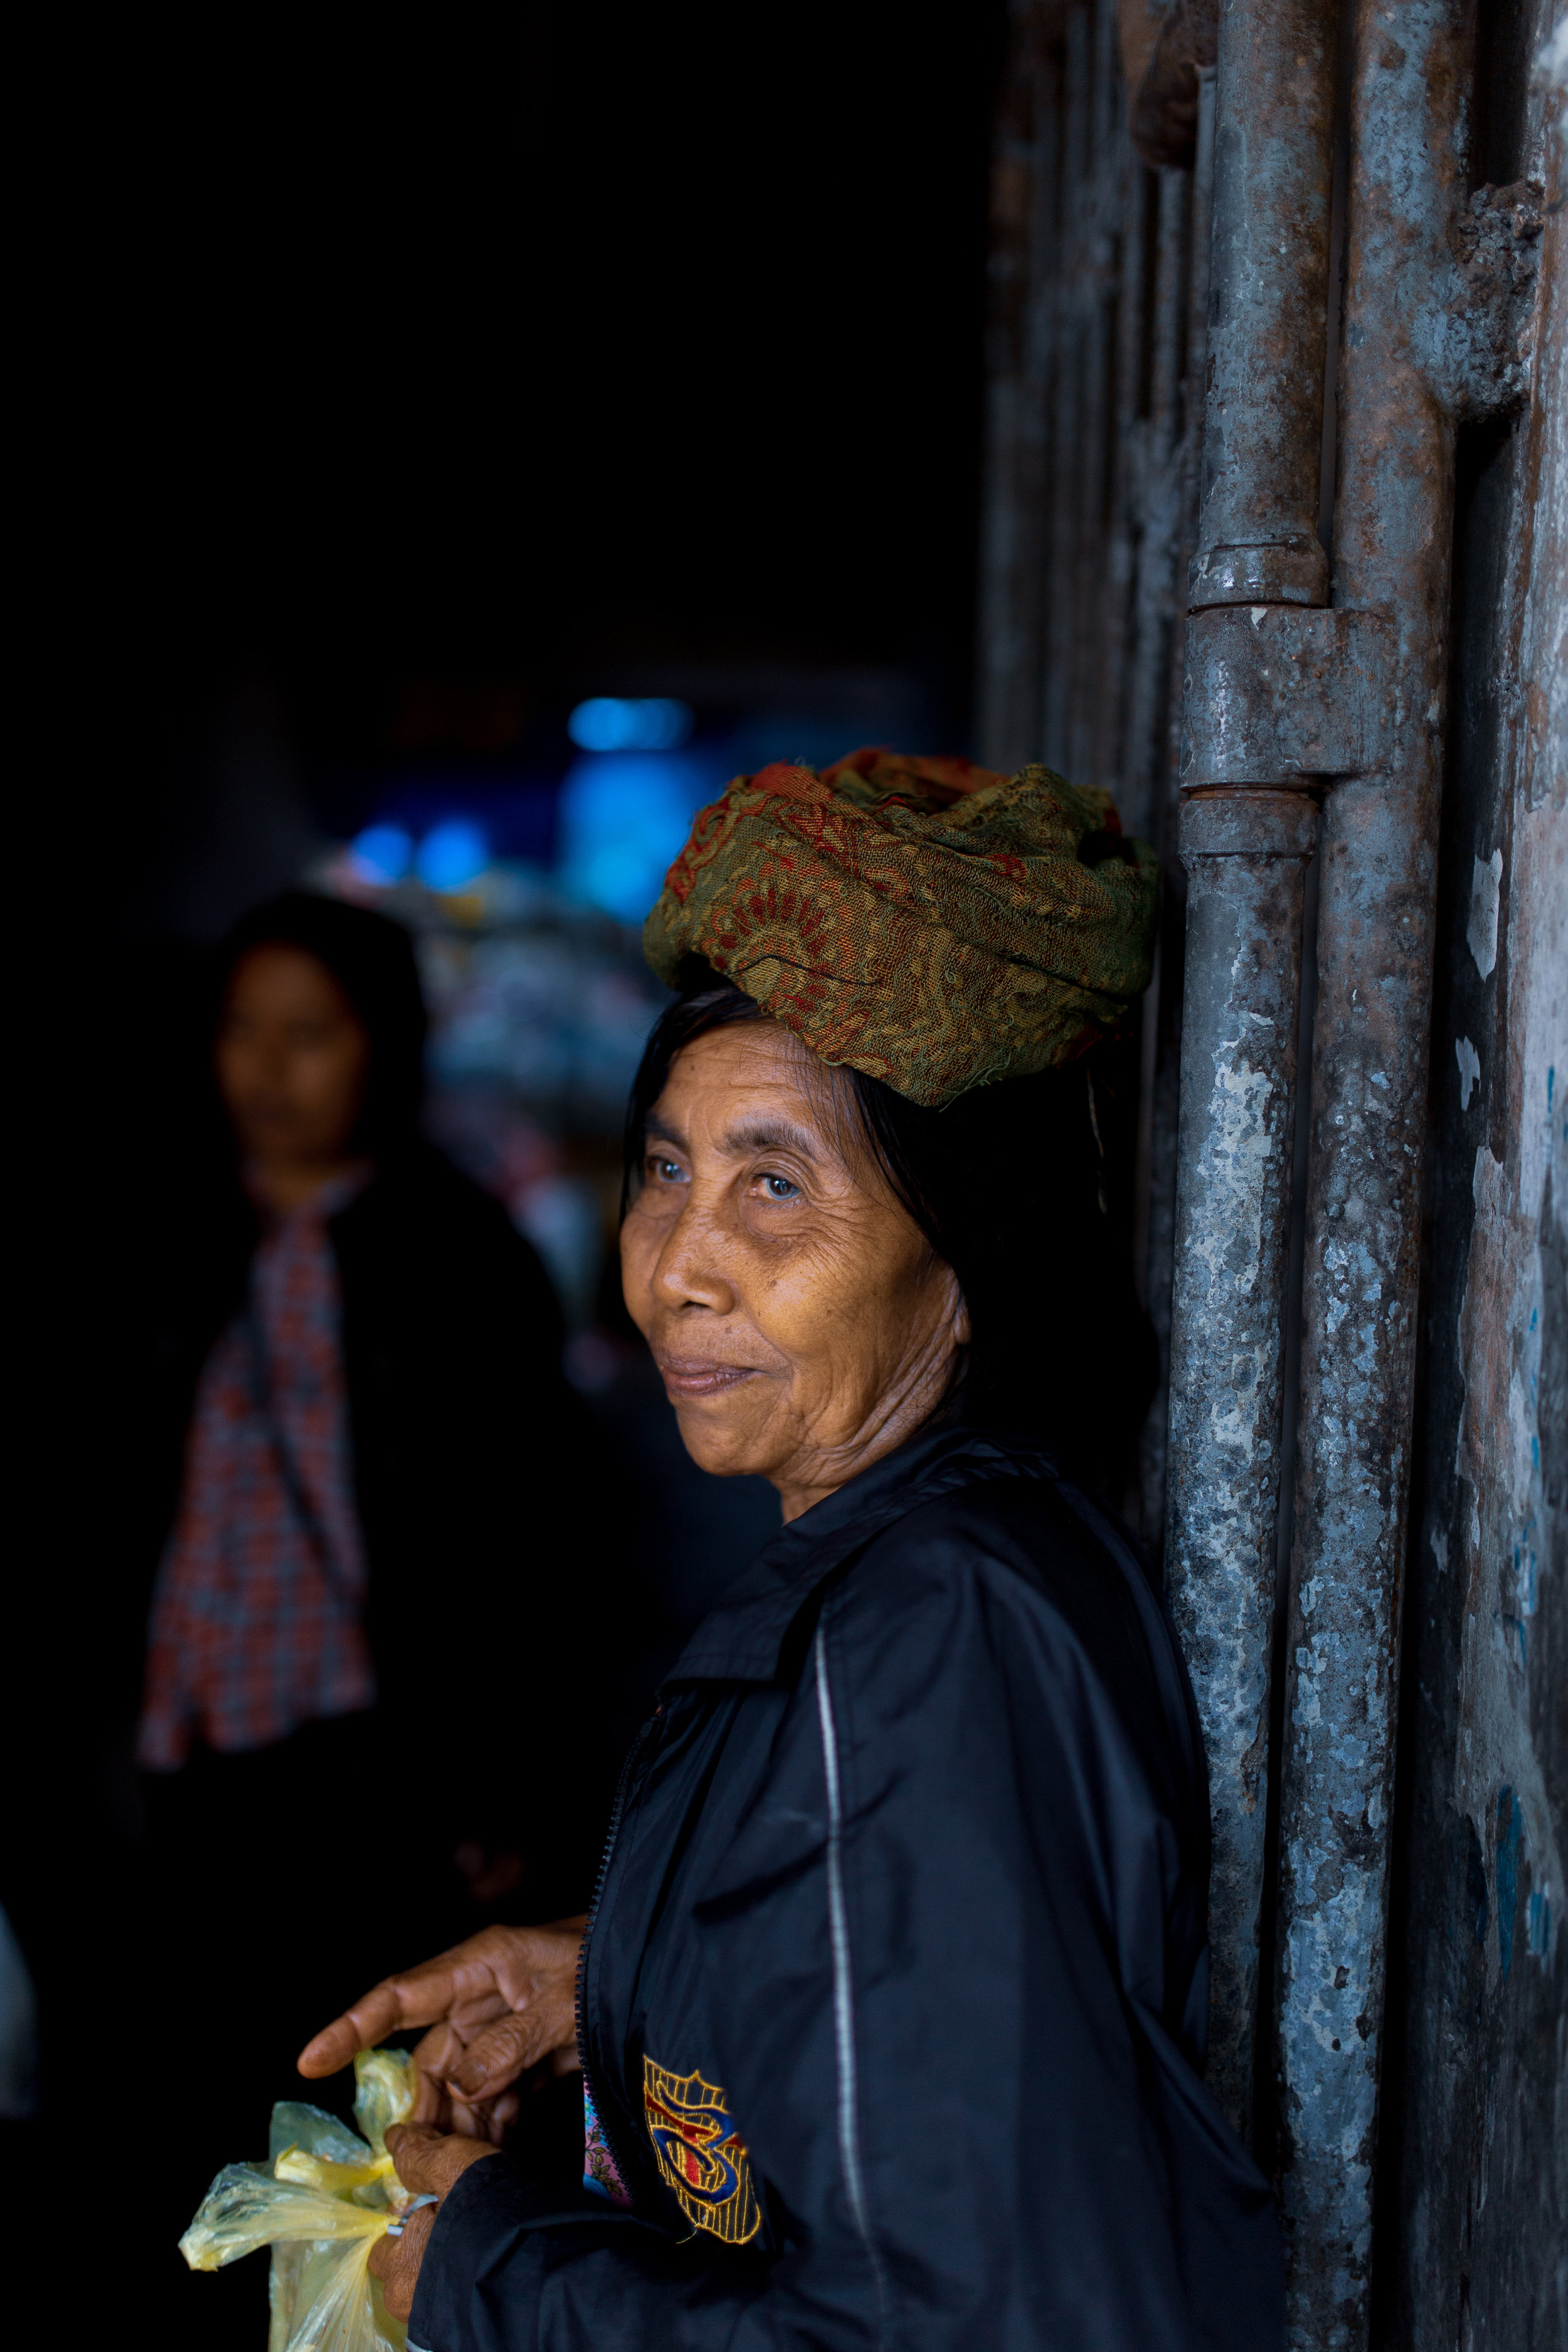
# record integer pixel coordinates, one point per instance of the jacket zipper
(581, 1986)
(843, 1988)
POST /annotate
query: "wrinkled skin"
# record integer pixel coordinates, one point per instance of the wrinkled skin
(804, 1327)
(426, 2160)
(500, 2009)
(801, 1321)
(499, 2006)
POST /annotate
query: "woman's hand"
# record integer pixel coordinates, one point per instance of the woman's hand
(429, 2163)
(498, 2005)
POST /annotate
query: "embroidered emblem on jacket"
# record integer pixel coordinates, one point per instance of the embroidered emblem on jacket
(700, 2154)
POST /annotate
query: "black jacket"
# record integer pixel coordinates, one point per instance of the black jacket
(893, 2000)
(482, 1490)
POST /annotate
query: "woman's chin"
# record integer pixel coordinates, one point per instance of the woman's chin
(722, 1437)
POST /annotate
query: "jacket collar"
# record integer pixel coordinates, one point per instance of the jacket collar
(740, 1640)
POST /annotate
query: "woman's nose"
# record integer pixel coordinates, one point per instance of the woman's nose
(691, 1269)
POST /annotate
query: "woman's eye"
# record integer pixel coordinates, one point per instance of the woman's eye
(665, 1171)
(779, 1188)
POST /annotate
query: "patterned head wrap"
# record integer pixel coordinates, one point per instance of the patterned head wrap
(933, 923)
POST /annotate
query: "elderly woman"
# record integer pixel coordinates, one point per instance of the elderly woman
(891, 2005)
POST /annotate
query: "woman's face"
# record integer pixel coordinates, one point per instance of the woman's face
(292, 1057)
(802, 1322)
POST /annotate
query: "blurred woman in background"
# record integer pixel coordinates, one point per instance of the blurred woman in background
(362, 1420)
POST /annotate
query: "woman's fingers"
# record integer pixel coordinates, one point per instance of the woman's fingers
(430, 2162)
(431, 2103)
(430, 2079)
(529, 1971)
(483, 2124)
(469, 1975)
(421, 1996)
(370, 2020)
(499, 2054)
(396, 2261)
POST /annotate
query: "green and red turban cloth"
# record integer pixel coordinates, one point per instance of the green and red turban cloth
(933, 923)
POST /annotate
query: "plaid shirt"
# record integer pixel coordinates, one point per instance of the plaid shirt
(258, 1623)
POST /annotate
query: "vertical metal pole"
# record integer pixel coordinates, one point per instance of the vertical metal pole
(1245, 853)
(1156, 1239)
(1393, 529)
(1258, 538)
(1201, 240)
(1064, 585)
(1128, 474)
(1146, 736)
(1245, 849)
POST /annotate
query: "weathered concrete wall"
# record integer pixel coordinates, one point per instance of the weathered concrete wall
(1472, 2234)
(1093, 482)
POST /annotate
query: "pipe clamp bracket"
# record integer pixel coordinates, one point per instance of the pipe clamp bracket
(1246, 824)
(1276, 693)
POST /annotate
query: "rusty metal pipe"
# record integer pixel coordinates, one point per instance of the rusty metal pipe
(1393, 530)
(1257, 535)
(1248, 827)
(1160, 1113)
(1146, 754)
(1246, 856)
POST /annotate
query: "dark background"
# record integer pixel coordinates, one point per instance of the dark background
(425, 373)
(393, 384)
(404, 380)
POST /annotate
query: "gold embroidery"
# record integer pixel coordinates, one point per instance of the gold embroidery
(700, 2154)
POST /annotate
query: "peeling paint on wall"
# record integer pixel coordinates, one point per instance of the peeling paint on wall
(1102, 329)
(1475, 2197)
(1481, 932)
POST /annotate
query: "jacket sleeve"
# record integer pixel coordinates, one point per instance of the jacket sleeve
(946, 1998)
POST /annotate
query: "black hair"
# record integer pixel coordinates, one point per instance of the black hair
(1008, 1185)
(372, 962)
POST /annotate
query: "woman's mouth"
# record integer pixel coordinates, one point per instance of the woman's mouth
(686, 1376)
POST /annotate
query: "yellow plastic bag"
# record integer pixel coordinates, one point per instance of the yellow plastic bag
(321, 2201)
